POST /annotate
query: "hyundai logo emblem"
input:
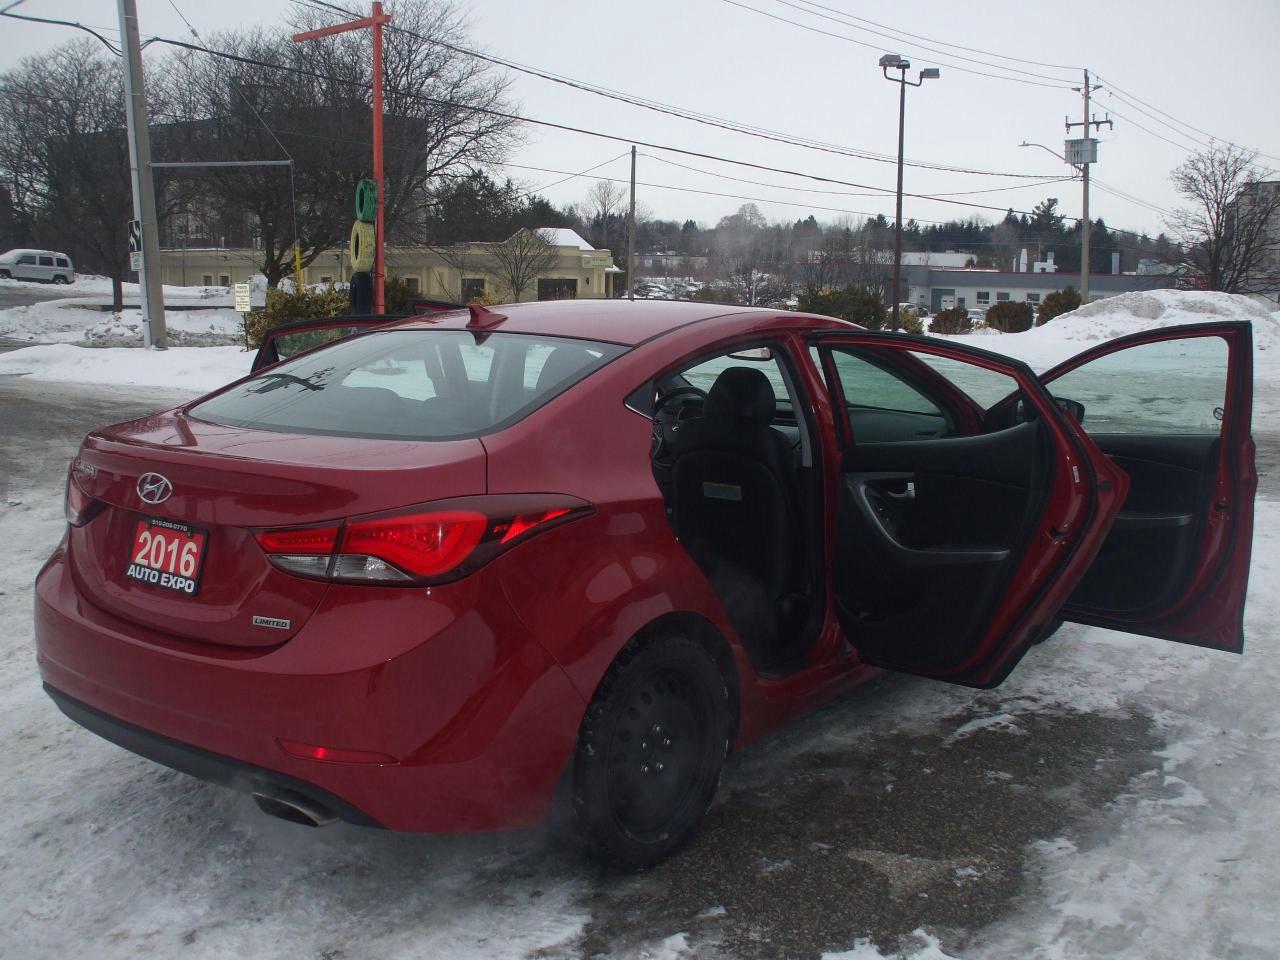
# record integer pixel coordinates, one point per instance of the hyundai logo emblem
(153, 488)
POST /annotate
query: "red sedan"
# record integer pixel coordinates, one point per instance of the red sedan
(438, 572)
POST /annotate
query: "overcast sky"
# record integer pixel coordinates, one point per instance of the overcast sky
(1210, 66)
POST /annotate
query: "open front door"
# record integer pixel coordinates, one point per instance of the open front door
(1172, 408)
(955, 540)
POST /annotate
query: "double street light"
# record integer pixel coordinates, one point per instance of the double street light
(891, 61)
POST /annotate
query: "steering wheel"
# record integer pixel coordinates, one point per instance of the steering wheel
(686, 393)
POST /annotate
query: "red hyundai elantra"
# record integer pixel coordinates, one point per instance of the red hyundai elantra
(432, 573)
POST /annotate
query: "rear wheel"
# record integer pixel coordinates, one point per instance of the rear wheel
(60, 280)
(650, 750)
(5, 275)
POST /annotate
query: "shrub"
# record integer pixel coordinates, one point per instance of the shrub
(910, 321)
(1056, 303)
(856, 304)
(955, 320)
(289, 306)
(714, 294)
(1010, 316)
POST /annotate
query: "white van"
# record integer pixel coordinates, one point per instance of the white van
(45, 266)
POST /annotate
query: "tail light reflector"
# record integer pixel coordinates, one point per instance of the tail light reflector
(310, 751)
(78, 506)
(423, 545)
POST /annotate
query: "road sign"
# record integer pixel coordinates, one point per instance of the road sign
(135, 245)
(243, 300)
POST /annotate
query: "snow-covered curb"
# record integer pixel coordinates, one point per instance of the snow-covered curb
(198, 369)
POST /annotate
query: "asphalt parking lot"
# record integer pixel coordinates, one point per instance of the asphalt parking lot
(905, 805)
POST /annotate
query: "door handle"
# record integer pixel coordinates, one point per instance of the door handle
(908, 494)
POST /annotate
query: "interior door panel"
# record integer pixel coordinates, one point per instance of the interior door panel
(928, 536)
(1148, 556)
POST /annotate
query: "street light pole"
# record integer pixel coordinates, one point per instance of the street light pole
(891, 61)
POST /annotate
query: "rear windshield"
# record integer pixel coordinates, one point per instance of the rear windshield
(410, 385)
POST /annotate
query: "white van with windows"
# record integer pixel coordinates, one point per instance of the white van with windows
(44, 266)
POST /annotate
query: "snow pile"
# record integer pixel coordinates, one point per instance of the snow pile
(924, 947)
(78, 319)
(198, 369)
(1101, 320)
(90, 284)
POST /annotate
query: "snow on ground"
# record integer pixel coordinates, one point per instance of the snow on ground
(88, 284)
(75, 320)
(198, 369)
(1071, 333)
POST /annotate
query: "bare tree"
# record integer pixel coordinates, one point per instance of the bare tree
(521, 259)
(604, 201)
(63, 157)
(443, 119)
(1231, 233)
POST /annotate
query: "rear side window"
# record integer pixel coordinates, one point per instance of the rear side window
(46, 261)
(410, 385)
(63, 262)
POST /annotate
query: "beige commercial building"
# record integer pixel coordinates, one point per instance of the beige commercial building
(458, 273)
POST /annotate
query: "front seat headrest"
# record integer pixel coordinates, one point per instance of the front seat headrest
(743, 393)
(562, 363)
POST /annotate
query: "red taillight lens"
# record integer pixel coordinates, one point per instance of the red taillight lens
(432, 544)
(78, 506)
(420, 544)
(308, 541)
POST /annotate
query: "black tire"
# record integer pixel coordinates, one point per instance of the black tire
(650, 750)
(60, 280)
(5, 275)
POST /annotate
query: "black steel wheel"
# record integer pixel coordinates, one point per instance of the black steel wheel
(650, 750)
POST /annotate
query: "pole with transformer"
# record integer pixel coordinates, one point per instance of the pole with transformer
(150, 282)
(1087, 154)
(375, 23)
(631, 233)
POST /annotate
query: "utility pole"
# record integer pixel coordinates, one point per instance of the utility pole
(375, 23)
(631, 233)
(150, 283)
(1086, 153)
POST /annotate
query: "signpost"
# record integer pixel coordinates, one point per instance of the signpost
(244, 301)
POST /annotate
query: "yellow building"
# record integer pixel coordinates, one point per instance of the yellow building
(458, 273)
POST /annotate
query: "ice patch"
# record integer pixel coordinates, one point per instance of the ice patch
(926, 947)
(1000, 722)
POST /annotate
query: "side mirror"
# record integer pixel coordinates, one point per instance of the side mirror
(1073, 408)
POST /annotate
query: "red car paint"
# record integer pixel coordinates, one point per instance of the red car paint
(457, 706)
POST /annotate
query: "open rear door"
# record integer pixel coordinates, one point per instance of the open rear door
(1172, 408)
(955, 540)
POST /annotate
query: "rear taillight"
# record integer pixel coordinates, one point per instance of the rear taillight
(79, 507)
(434, 543)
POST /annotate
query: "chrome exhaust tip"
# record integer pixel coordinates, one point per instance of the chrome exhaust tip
(294, 808)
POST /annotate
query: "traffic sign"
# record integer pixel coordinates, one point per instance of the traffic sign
(243, 299)
(135, 245)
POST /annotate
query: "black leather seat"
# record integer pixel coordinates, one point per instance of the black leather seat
(735, 509)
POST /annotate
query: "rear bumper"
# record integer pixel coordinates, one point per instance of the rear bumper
(479, 718)
(204, 764)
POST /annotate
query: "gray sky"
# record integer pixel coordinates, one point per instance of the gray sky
(1211, 66)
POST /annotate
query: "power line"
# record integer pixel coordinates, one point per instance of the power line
(6, 12)
(844, 21)
(572, 176)
(943, 43)
(672, 110)
(872, 46)
(845, 193)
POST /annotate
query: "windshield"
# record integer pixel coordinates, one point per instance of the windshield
(410, 385)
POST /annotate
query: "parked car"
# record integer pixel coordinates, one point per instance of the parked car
(438, 573)
(45, 266)
(977, 314)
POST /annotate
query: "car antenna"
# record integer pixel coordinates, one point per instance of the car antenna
(483, 318)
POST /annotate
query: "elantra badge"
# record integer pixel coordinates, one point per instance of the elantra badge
(154, 488)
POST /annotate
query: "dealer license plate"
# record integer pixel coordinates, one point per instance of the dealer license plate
(166, 554)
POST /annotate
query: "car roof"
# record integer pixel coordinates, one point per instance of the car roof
(626, 322)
